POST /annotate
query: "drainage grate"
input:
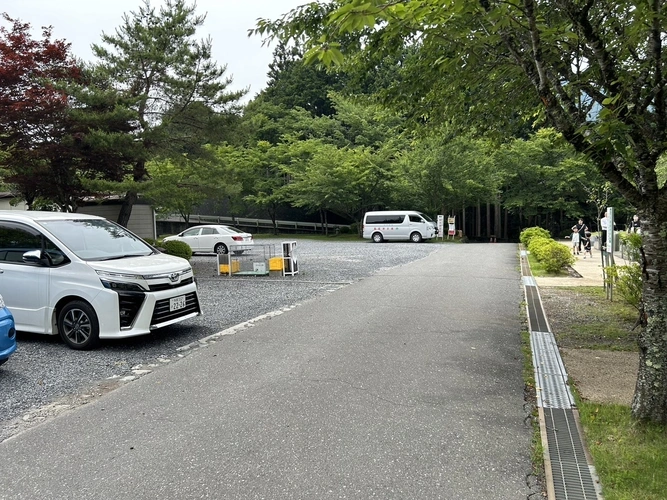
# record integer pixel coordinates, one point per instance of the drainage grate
(572, 476)
(550, 374)
(537, 321)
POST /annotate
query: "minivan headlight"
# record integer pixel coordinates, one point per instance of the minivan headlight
(121, 282)
(122, 287)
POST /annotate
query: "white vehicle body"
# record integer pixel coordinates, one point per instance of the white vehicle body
(87, 278)
(214, 238)
(398, 225)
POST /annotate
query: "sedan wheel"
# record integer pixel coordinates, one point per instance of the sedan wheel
(78, 325)
(221, 249)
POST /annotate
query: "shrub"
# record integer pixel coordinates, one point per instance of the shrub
(627, 280)
(151, 241)
(555, 256)
(533, 232)
(354, 228)
(537, 245)
(344, 230)
(177, 248)
(632, 243)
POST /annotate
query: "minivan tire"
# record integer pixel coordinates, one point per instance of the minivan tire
(377, 237)
(78, 325)
(221, 249)
(416, 237)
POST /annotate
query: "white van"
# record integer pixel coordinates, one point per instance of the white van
(405, 225)
(87, 278)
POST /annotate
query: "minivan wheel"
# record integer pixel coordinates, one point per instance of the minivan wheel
(416, 237)
(78, 325)
(377, 237)
(221, 249)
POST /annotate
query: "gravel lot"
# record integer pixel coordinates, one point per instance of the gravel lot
(44, 376)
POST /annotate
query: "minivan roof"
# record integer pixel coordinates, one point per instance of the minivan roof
(394, 212)
(35, 215)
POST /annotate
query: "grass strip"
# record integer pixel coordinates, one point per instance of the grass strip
(630, 457)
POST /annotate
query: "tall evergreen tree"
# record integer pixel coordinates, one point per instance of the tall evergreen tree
(154, 60)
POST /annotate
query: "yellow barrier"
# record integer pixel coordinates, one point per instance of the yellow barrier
(236, 267)
(276, 264)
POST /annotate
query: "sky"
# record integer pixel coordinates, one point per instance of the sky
(81, 22)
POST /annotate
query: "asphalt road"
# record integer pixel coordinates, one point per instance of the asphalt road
(44, 376)
(406, 384)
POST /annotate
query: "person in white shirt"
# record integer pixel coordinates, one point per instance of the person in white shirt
(576, 241)
(604, 225)
(581, 229)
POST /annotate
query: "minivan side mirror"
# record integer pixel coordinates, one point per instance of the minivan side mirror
(35, 257)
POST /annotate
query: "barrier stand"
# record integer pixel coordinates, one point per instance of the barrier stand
(290, 263)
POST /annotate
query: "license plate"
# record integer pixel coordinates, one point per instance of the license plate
(177, 303)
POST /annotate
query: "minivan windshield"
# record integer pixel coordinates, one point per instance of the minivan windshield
(97, 239)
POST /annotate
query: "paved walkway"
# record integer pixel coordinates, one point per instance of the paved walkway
(590, 270)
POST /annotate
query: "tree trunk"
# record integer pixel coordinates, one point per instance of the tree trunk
(488, 219)
(126, 208)
(650, 398)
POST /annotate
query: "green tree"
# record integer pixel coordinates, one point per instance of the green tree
(595, 71)
(154, 60)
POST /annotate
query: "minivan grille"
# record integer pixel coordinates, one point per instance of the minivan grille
(169, 286)
(162, 314)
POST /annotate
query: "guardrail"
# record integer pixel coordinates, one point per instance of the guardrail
(252, 223)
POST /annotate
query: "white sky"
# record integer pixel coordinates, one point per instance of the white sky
(81, 22)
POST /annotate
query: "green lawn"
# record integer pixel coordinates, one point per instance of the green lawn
(630, 458)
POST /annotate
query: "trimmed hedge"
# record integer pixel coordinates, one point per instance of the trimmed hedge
(177, 248)
(548, 252)
(533, 232)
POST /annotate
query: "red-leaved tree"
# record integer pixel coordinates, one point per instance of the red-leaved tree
(33, 114)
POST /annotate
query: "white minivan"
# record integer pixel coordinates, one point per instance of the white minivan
(86, 278)
(405, 225)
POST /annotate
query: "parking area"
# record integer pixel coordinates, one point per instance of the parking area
(44, 371)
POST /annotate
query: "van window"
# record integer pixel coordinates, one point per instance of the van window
(97, 239)
(385, 219)
(416, 218)
(16, 239)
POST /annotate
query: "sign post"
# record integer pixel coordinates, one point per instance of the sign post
(451, 221)
(441, 226)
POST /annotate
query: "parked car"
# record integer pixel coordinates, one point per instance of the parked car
(406, 225)
(7, 333)
(86, 278)
(214, 238)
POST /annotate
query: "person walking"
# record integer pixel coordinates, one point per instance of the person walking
(586, 241)
(576, 241)
(581, 230)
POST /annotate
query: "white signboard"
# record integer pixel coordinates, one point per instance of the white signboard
(441, 226)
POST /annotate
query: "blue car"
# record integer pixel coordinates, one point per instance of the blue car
(7, 333)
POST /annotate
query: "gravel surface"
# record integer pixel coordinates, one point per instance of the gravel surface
(45, 377)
